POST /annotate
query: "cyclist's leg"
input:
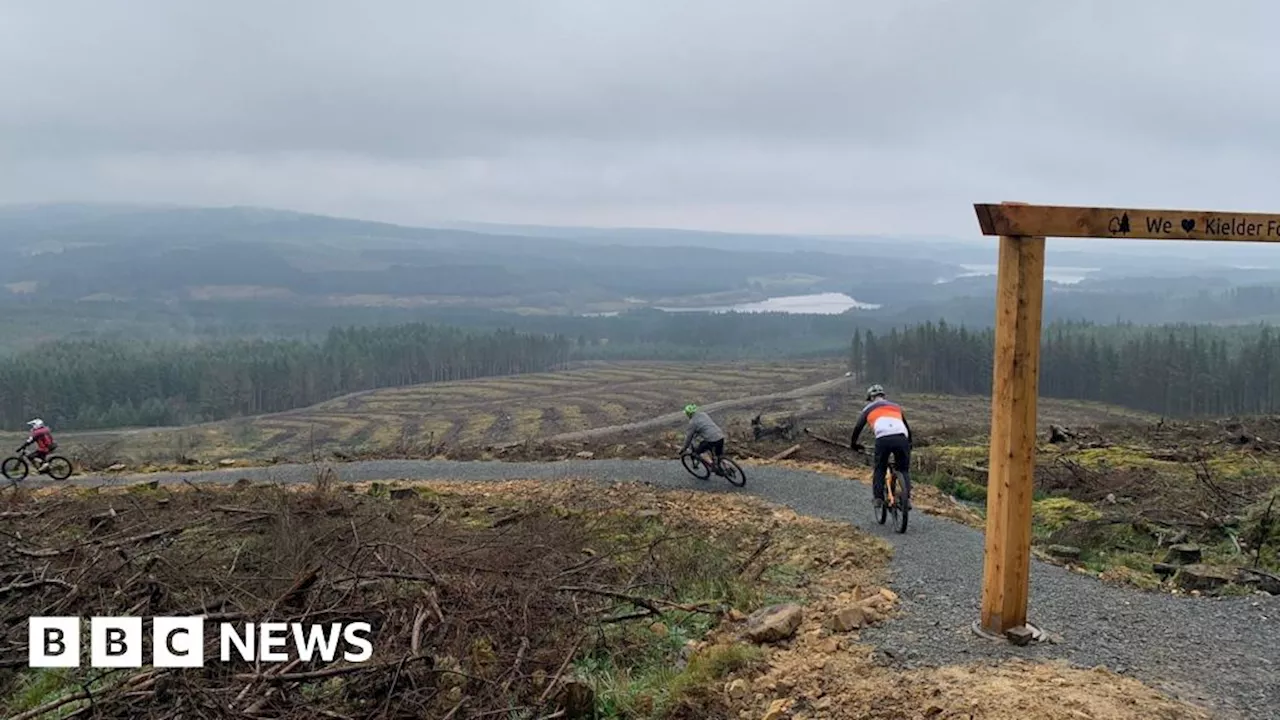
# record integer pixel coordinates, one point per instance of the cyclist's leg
(701, 451)
(878, 471)
(901, 450)
(717, 448)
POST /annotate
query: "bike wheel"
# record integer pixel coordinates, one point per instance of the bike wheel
(59, 467)
(15, 468)
(733, 472)
(899, 509)
(695, 466)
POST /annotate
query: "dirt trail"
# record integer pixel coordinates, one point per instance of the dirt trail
(675, 418)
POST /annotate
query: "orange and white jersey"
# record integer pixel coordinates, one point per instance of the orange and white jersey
(885, 418)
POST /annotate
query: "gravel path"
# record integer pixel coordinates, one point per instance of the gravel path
(1223, 654)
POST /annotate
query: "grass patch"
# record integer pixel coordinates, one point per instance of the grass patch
(1053, 514)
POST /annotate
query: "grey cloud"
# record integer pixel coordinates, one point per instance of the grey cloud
(812, 115)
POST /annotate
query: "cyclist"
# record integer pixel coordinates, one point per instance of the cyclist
(710, 435)
(43, 440)
(893, 437)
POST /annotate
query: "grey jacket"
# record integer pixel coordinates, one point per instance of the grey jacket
(700, 425)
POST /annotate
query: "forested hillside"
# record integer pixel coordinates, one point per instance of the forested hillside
(98, 384)
(1177, 370)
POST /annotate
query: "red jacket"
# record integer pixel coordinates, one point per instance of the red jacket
(43, 438)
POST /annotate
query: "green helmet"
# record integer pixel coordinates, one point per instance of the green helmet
(875, 390)
(690, 409)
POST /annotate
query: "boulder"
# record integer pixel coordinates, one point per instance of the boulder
(846, 619)
(1203, 577)
(774, 623)
(1021, 635)
(1184, 554)
(777, 710)
(1063, 552)
(1258, 579)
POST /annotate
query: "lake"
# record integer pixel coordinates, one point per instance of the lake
(818, 304)
(1060, 274)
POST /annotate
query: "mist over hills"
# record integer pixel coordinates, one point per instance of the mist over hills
(177, 272)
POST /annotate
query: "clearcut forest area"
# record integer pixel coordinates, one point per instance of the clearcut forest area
(1133, 501)
(451, 435)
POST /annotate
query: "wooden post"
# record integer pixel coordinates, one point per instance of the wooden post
(1022, 229)
(1011, 462)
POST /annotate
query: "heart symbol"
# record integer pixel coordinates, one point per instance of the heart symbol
(1188, 225)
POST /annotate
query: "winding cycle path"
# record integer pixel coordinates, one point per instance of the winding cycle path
(1222, 654)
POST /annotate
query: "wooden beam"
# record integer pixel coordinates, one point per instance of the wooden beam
(1011, 460)
(1018, 220)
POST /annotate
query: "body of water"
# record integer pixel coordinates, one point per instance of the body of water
(818, 304)
(1063, 274)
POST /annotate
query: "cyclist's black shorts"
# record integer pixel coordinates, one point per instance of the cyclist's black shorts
(717, 446)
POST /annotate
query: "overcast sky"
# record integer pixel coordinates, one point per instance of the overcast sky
(832, 116)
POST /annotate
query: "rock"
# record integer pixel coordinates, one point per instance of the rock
(774, 623)
(846, 619)
(737, 690)
(735, 615)
(1063, 552)
(116, 468)
(1266, 582)
(659, 629)
(777, 710)
(830, 645)
(1110, 499)
(585, 455)
(889, 595)
(1164, 570)
(226, 462)
(1021, 635)
(1199, 577)
(403, 494)
(1184, 554)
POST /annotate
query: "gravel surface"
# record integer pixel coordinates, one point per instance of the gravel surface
(1223, 654)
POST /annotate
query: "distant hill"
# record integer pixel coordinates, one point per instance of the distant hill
(132, 252)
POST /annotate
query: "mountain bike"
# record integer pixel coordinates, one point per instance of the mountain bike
(894, 503)
(16, 467)
(729, 470)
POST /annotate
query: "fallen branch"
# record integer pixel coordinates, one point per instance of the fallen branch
(325, 673)
(16, 586)
(826, 440)
(763, 545)
(650, 604)
(786, 453)
(54, 552)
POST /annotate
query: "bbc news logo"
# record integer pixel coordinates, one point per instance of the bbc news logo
(178, 642)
